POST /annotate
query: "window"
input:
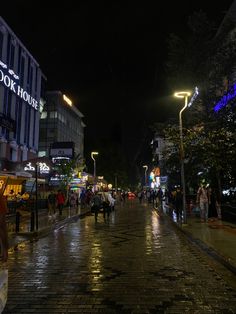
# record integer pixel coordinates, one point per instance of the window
(1, 44)
(53, 115)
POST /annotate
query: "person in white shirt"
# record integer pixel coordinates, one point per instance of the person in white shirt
(203, 201)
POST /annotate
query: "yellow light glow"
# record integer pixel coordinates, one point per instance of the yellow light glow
(67, 100)
(182, 94)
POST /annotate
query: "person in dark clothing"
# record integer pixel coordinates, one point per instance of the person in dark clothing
(52, 203)
(178, 201)
(96, 205)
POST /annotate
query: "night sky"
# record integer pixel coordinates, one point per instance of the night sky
(109, 58)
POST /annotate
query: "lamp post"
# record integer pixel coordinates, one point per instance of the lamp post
(146, 168)
(94, 163)
(184, 95)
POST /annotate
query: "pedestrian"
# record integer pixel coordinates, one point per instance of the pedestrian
(140, 196)
(106, 206)
(60, 201)
(3, 227)
(203, 201)
(111, 200)
(52, 203)
(178, 202)
(96, 205)
(73, 200)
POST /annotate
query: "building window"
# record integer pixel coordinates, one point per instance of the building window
(13, 154)
(12, 54)
(18, 119)
(1, 44)
(53, 115)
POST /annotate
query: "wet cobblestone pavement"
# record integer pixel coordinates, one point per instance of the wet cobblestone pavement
(138, 262)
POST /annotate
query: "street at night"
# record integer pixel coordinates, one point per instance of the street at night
(138, 262)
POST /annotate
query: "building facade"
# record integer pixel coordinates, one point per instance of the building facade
(61, 122)
(20, 100)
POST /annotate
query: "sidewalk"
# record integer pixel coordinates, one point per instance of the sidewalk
(216, 237)
(46, 224)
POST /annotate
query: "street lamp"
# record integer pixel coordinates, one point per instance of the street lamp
(184, 95)
(94, 163)
(146, 168)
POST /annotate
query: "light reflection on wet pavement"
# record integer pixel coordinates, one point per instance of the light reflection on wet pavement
(136, 263)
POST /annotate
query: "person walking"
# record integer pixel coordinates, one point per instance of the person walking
(96, 205)
(51, 203)
(106, 206)
(178, 202)
(203, 201)
(60, 201)
(73, 200)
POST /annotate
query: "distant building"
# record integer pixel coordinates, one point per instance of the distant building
(21, 91)
(61, 122)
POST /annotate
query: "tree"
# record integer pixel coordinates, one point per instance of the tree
(66, 170)
(205, 59)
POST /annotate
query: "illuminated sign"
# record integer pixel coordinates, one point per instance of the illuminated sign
(10, 80)
(61, 152)
(43, 167)
(225, 99)
(67, 100)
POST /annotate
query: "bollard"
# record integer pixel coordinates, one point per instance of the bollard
(32, 221)
(17, 221)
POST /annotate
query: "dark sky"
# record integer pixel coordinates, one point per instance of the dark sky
(108, 56)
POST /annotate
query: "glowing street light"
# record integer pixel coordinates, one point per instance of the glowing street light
(146, 168)
(184, 95)
(94, 163)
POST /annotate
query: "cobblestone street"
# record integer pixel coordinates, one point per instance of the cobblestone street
(138, 262)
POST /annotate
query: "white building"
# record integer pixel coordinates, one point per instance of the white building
(20, 100)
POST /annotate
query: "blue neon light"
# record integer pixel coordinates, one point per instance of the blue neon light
(225, 99)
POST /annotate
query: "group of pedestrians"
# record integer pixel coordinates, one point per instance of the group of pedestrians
(102, 201)
(207, 203)
(56, 200)
(152, 196)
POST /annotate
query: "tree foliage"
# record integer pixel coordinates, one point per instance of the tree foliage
(204, 59)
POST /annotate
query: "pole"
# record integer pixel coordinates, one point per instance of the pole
(182, 158)
(36, 195)
(94, 168)
(116, 182)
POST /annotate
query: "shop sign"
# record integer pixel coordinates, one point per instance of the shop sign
(43, 167)
(2, 184)
(61, 152)
(10, 80)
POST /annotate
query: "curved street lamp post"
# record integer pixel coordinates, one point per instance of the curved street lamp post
(94, 163)
(184, 95)
(146, 168)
